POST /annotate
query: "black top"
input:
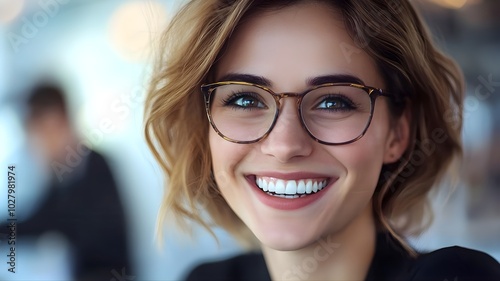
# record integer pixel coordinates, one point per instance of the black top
(390, 262)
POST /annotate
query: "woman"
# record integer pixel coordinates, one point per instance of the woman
(318, 131)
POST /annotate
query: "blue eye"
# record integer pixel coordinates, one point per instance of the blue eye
(336, 102)
(244, 101)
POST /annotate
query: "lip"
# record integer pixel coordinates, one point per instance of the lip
(288, 204)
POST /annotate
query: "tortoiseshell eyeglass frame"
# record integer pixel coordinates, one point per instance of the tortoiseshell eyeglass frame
(208, 89)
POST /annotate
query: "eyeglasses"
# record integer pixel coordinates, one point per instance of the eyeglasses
(332, 114)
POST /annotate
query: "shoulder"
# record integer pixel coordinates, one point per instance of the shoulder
(96, 158)
(455, 263)
(97, 165)
(393, 262)
(249, 266)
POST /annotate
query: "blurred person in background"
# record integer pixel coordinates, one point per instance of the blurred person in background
(82, 203)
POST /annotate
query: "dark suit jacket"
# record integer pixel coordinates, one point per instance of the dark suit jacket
(86, 208)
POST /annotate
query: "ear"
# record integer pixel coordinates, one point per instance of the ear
(399, 138)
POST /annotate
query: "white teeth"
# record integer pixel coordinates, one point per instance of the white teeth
(271, 187)
(287, 196)
(301, 187)
(264, 184)
(309, 187)
(290, 188)
(280, 187)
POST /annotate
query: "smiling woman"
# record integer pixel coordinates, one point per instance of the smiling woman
(297, 126)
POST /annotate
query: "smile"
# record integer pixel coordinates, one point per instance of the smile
(290, 189)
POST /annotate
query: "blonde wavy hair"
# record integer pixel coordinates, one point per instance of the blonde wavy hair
(390, 31)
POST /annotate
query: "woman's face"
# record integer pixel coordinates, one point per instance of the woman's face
(290, 47)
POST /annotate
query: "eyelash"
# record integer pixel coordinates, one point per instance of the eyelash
(235, 95)
(350, 105)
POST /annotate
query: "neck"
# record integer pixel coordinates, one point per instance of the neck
(343, 255)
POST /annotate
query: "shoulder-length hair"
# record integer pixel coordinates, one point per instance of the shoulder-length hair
(390, 31)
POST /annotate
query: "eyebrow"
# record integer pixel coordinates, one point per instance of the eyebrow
(335, 78)
(314, 81)
(249, 78)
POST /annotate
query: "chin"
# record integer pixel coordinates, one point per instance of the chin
(288, 243)
(286, 236)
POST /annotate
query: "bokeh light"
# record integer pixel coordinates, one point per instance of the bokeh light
(451, 4)
(134, 25)
(10, 9)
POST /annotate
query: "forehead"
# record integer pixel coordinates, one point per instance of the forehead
(291, 45)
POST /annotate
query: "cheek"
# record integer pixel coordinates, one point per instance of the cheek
(363, 167)
(363, 159)
(219, 159)
(225, 159)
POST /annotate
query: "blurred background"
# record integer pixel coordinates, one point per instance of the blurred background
(98, 54)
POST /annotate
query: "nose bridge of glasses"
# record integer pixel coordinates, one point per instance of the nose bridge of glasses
(281, 96)
(298, 98)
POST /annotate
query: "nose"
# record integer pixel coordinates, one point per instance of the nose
(288, 139)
